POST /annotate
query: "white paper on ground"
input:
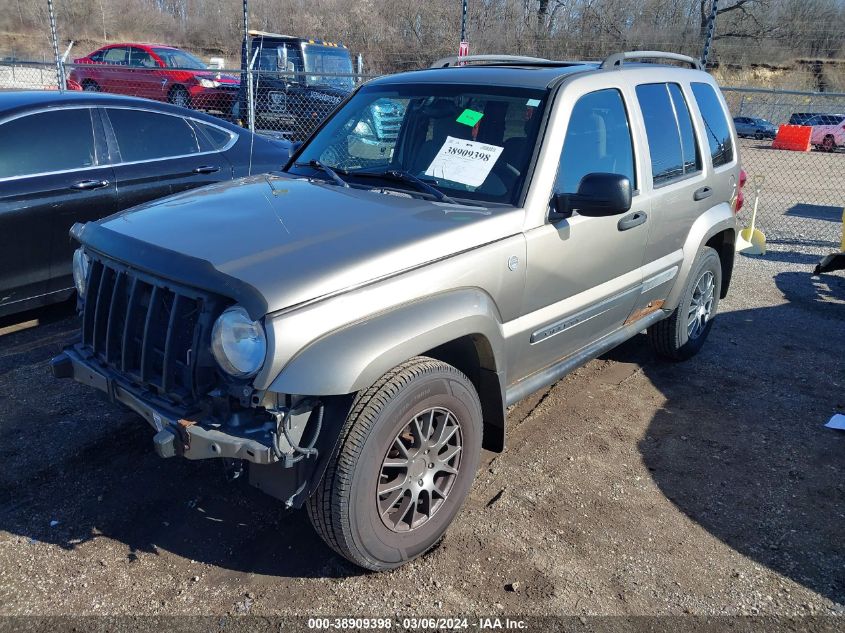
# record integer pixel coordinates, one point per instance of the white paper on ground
(836, 422)
(466, 162)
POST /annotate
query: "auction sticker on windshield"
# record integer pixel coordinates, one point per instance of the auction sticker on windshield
(466, 162)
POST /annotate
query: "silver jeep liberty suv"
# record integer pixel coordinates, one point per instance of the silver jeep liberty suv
(352, 328)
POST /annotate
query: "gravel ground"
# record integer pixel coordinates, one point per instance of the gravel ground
(631, 487)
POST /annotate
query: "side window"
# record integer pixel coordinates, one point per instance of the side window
(668, 127)
(145, 135)
(140, 57)
(54, 141)
(98, 56)
(715, 123)
(689, 146)
(218, 137)
(598, 140)
(115, 55)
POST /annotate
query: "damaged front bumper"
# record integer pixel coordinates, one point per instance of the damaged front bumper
(174, 435)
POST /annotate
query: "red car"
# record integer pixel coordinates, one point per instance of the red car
(156, 72)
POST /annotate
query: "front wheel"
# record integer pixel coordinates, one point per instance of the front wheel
(407, 457)
(682, 334)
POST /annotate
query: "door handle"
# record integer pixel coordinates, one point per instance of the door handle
(206, 169)
(87, 185)
(701, 194)
(631, 220)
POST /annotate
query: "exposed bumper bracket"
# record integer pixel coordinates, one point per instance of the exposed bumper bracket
(175, 436)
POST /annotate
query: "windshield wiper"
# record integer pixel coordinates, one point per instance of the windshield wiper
(404, 176)
(315, 164)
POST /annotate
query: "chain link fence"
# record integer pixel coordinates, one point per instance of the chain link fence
(803, 195)
(801, 200)
(288, 105)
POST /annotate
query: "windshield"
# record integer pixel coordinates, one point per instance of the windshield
(174, 58)
(472, 142)
(332, 62)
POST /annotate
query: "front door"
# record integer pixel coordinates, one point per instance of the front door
(583, 273)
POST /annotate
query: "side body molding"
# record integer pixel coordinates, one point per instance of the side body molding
(354, 356)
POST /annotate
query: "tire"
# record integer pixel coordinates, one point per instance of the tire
(674, 337)
(828, 144)
(178, 96)
(90, 86)
(346, 510)
(758, 136)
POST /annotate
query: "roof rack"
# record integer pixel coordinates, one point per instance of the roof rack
(446, 62)
(618, 59)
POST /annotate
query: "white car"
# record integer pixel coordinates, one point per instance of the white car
(828, 131)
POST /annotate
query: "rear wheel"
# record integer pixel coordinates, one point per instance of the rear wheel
(682, 334)
(828, 143)
(90, 86)
(407, 458)
(179, 97)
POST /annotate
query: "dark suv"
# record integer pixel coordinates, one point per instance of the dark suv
(297, 81)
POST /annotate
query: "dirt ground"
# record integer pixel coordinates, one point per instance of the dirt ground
(632, 487)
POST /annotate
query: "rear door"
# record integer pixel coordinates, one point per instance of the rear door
(57, 181)
(157, 154)
(693, 162)
(676, 185)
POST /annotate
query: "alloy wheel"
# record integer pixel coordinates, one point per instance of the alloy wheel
(419, 469)
(701, 305)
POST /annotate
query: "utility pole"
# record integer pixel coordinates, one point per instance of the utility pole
(463, 49)
(708, 39)
(60, 75)
(242, 115)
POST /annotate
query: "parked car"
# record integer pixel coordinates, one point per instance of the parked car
(355, 330)
(828, 131)
(801, 118)
(77, 156)
(752, 127)
(159, 72)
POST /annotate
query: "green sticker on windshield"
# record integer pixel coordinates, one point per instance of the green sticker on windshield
(470, 117)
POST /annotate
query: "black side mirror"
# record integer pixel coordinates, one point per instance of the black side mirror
(599, 194)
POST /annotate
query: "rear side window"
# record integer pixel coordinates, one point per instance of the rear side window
(671, 140)
(46, 142)
(218, 137)
(598, 140)
(145, 135)
(715, 123)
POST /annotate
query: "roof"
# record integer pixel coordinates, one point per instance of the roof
(536, 77)
(139, 45)
(14, 101)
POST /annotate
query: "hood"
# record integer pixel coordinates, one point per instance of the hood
(294, 240)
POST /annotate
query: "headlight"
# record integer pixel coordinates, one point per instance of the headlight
(238, 343)
(363, 129)
(209, 83)
(81, 264)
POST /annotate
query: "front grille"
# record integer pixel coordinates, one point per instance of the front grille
(153, 334)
